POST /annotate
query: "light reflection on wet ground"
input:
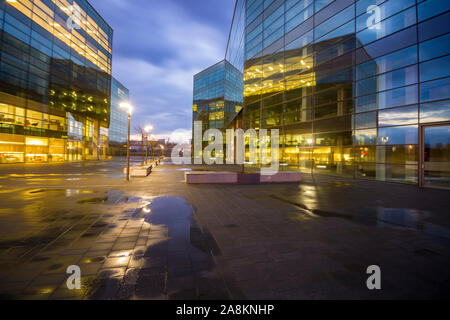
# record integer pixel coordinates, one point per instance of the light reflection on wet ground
(176, 262)
(411, 219)
(146, 248)
(276, 241)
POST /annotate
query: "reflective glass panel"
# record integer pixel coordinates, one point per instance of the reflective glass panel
(398, 135)
(398, 116)
(437, 156)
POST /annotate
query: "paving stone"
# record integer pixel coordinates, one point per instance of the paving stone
(311, 240)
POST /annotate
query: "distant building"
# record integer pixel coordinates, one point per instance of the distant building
(218, 95)
(118, 129)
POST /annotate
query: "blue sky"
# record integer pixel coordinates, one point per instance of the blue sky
(158, 46)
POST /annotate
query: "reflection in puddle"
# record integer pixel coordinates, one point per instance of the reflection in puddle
(110, 197)
(93, 200)
(379, 217)
(176, 249)
(176, 215)
(73, 192)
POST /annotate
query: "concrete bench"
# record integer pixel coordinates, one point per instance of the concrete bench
(280, 177)
(141, 171)
(210, 177)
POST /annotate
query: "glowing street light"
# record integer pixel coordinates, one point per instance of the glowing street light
(126, 106)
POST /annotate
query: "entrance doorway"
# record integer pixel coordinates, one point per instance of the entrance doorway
(435, 159)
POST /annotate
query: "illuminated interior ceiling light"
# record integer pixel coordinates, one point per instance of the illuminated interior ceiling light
(11, 0)
(303, 62)
(309, 67)
(308, 84)
(271, 68)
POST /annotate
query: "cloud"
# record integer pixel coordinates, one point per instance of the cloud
(158, 47)
(179, 136)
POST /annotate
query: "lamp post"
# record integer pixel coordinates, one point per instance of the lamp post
(153, 150)
(129, 109)
(147, 130)
(162, 150)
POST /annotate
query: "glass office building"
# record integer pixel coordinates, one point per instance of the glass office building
(217, 95)
(356, 88)
(118, 128)
(55, 83)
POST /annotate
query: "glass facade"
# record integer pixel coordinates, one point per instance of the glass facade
(349, 84)
(55, 82)
(217, 95)
(118, 128)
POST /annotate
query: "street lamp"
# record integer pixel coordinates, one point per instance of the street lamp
(126, 106)
(147, 130)
(162, 150)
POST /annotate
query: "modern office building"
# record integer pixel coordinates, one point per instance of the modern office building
(218, 95)
(357, 88)
(118, 128)
(55, 81)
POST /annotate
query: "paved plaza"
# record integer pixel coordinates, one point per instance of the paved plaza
(158, 238)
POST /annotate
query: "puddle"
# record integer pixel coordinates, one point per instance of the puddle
(378, 217)
(179, 248)
(111, 197)
(32, 194)
(93, 200)
(175, 214)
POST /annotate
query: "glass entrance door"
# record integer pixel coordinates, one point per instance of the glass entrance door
(436, 156)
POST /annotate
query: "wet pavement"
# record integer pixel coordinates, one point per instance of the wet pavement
(158, 238)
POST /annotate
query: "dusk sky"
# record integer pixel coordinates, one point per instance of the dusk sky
(158, 46)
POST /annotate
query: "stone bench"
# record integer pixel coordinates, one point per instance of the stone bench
(197, 177)
(211, 177)
(282, 177)
(140, 171)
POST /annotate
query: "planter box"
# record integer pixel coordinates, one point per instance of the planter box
(210, 177)
(281, 177)
(248, 178)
